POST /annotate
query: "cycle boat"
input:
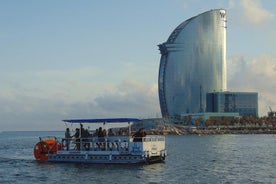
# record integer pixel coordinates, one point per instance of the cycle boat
(116, 149)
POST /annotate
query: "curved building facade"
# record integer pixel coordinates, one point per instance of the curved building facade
(193, 63)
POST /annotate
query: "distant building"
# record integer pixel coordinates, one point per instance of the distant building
(193, 62)
(245, 103)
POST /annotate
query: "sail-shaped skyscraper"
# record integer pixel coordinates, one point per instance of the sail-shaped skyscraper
(193, 63)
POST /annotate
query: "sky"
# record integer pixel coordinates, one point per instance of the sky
(72, 59)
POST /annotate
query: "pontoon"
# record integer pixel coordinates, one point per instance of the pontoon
(121, 149)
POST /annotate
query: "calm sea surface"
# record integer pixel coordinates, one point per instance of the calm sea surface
(191, 159)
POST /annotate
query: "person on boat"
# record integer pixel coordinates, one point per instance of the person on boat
(95, 134)
(104, 132)
(101, 135)
(84, 133)
(120, 132)
(110, 132)
(109, 140)
(100, 132)
(85, 139)
(138, 136)
(77, 137)
(67, 138)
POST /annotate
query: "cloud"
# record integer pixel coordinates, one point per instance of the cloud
(131, 98)
(254, 75)
(231, 4)
(70, 85)
(30, 111)
(253, 13)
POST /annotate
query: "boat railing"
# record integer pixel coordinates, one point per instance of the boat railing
(153, 138)
(149, 138)
(112, 143)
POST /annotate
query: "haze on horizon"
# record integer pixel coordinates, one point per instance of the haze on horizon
(95, 59)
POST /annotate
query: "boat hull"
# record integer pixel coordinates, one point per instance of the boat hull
(111, 150)
(105, 158)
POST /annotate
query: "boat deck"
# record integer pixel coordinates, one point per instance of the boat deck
(115, 149)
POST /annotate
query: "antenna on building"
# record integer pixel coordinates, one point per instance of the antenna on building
(200, 99)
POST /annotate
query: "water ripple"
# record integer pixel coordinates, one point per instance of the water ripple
(191, 159)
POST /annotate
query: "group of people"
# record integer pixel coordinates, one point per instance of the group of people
(100, 133)
(103, 133)
(79, 133)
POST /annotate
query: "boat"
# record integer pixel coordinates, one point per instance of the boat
(118, 149)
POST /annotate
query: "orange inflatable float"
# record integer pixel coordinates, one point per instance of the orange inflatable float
(44, 147)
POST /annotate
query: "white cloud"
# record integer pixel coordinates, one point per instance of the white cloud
(254, 13)
(40, 99)
(30, 111)
(133, 98)
(254, 75)
(70, 85)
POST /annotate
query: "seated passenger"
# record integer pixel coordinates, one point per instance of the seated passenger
(120, 132)
(110, 132)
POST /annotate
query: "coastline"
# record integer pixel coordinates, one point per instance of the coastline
(178, 130)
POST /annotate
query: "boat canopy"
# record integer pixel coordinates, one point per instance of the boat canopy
(105, 120)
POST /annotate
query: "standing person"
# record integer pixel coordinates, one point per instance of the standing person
(143, 132)
(77, 136)
(101, 138)
(96, 133)
(138, 136)
(67, 138)
(100, 132)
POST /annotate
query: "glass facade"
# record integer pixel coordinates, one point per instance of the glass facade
(193, 62)
(245, 103)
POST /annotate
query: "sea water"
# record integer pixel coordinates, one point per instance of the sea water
(191, 159)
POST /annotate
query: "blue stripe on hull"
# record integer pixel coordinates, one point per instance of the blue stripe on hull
(104, 159)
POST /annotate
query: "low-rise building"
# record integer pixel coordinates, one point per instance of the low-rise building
(244, 103)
